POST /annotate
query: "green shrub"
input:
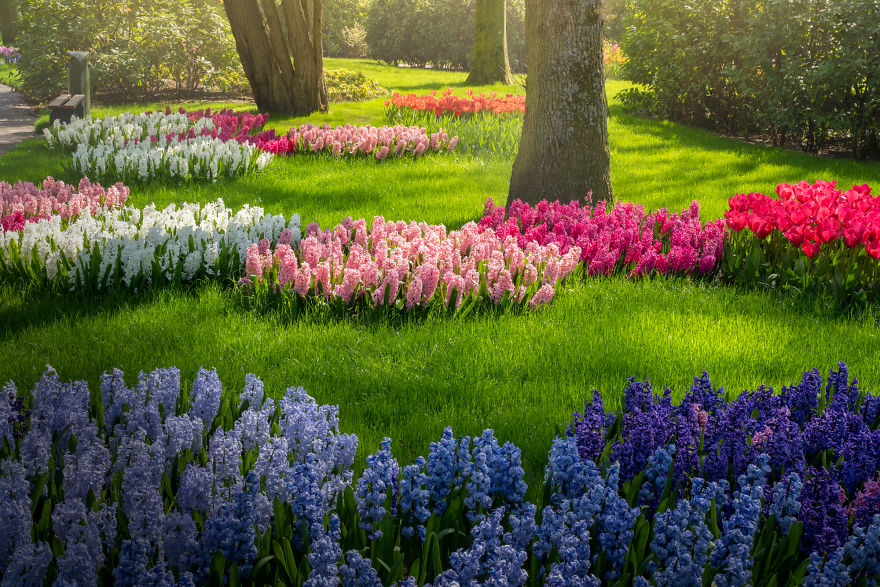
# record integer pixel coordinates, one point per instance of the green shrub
(136, 48)
(351, 86)
(438, 33)
(343, 27)
(804, 71)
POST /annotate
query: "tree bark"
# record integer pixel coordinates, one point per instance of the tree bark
(8, 21)
(490, 63)
(279, 84)
(564, 154)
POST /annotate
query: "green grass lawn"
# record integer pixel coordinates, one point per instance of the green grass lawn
(521, 375)
(9, 75)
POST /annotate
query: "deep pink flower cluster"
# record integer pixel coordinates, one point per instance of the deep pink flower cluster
(810, 215)
(400, 264)
(228, 124)
(623, 239)
(9, 55)
(25, 202)
(380, 142)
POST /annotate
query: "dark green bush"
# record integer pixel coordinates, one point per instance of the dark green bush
(439, 33)
(136, 48)
(800, 71)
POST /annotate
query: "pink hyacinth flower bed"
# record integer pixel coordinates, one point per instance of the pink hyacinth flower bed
(25, 202)
(404, 266)
(622, 240)
(379, 142)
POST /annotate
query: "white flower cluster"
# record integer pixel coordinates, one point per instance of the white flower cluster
(142, 147)
(199, 157)
(121, 128)
(135, 248)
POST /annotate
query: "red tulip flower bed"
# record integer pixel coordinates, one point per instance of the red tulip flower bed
(486, 123)
(446, 103)
(814, 237)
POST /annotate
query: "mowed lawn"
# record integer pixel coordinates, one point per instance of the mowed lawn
(522, 375)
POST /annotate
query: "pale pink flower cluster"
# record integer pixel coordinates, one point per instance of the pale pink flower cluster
(409, 264)
(379, 142)
(26, 202)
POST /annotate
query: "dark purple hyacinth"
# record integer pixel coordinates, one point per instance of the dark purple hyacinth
(589, 429)
(702, 393)
(642, 433)
(728, 452)
(783, 441)
(830, 431)
(861, 458)
(823, 516)
(839, 392)
(687, 430)
(803, 399)
(871, 410)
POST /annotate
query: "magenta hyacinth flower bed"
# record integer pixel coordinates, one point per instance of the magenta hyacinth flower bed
(228, 124)
(624, 239)
(26, 202)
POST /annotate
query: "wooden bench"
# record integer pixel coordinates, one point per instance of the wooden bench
(65, 106)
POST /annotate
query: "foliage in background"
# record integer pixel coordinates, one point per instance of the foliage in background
(439, 33)
(612, 12)
(343, 28)
(351, 86)
(802, 71)
(137, 49)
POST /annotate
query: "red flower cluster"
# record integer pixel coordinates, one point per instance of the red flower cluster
(458, 106)
(811, 215)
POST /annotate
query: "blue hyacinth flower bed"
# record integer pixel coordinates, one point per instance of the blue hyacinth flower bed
(164, 484)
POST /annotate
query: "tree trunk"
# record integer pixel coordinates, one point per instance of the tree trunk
(490, 63)
(563, 154)
(278, 84)
(8, 21)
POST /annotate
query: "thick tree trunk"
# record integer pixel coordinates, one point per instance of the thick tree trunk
(279, 85)
(8, 21)
(563, 153)
(490, 63)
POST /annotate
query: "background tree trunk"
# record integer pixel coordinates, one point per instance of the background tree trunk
(279, 85)
(8, 21)
(563, 153)
(490, 63)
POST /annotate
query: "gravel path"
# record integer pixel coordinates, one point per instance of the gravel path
(16, 119)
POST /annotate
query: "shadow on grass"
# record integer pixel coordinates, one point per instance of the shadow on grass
(33, 161)
(682, 136)
(26, 305)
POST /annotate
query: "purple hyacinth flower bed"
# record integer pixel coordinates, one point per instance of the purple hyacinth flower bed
(169, 484)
